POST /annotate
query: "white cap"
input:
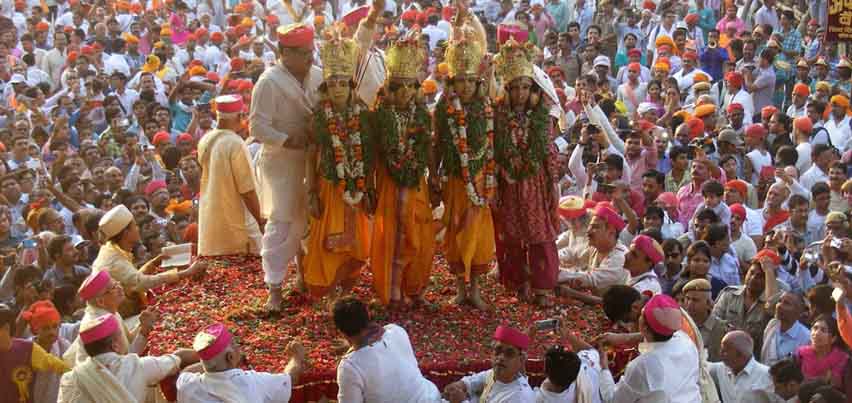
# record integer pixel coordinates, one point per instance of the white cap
(17, 79)
(114, 221)
(681, 25)
(601, 61)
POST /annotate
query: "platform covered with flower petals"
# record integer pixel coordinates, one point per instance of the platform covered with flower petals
(449, 341)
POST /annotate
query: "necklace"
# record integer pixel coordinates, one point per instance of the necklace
(345, 132)
(458, 129)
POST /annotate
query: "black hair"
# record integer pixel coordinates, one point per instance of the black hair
(797, 200)
(55, 246)
(785, 371)
(26, 275)
(824, 389)
(819, 296)
(707, 214)
(63, 299)
(712, 188)
(786, 155)
(8, 317)
(654, 211)
(618, 301)
(671, 244)
(93, 221)
(820, 188)
(697, 247)
(171, 157)
(614, 161)
(677, 151)
(350, 316)
(819, 106)
(715, 233)
(99, 347)
(561, 367)
(656, 175)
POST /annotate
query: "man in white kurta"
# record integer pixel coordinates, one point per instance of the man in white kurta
(222, 381)
(280, 118)
(385, 371)
(665, 371)
(113, 378)
(505, 383)
(228, 202)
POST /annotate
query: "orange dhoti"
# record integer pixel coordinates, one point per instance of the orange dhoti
(470, 230)
(403, 243)
(338, 240)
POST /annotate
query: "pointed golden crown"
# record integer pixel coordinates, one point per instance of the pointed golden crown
(339, 55)
(464, 55)
(514, 60)
(405, 57)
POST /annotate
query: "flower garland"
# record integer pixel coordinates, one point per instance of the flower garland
(457, 121)
(521, 147)
(407, 153)
(347, 151)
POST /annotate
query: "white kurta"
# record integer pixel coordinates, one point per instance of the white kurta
(250, 386)
(518, 391)
(732, 388)
(131, 371)
(46, 384)
(385, 371)
(585, 389)
(75, 354)
(664, 372)
(281, 109)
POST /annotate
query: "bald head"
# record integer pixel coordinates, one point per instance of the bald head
(741, 341)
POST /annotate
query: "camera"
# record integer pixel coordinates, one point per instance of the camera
(547, 324)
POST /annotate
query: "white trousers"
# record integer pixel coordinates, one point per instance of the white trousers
(281, 243)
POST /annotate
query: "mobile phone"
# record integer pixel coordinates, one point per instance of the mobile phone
(29, 243)
(547, 324)
(836, 243)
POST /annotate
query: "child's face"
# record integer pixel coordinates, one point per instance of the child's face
(712, 200)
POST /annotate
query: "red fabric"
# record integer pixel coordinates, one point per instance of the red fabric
(776, 219)
(504, 32)
(301, 36)
(355, 16)
(537, 264)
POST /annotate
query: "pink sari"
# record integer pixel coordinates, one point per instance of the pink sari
(178, 27)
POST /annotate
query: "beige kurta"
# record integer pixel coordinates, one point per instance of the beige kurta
(130, 373)
(225, 226)
(119, 264)
(281, 108)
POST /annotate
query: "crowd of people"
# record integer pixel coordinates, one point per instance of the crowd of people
(683, 166)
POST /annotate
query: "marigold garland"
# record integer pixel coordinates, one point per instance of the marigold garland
(345, 151)
(459, 135)
(521, 147)
(406, 154)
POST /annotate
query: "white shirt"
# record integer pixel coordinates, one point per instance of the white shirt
(804, 160)
(840, 132)
(646, 282)
(518, 391)
(813, 176)
(385, 371)
(816, 224)
(259, 387)
(590, 369)
(758, 161)
(755, 376)
(663, 372)
(435, 34)
(743, 98)
(753, 225)
(133, 372)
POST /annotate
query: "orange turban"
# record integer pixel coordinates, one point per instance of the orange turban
(41, 314)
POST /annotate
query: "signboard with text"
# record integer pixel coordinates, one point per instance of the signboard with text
(839, 21)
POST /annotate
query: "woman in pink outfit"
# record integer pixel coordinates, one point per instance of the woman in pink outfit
(824, 358)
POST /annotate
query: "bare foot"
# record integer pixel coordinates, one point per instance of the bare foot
(478, 303)
(273, 302)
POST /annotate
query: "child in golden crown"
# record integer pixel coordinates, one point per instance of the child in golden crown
(525, 209)
(464, 167)
(403, 243)
(340, 176)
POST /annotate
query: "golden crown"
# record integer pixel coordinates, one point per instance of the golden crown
(515, 60)
(464, 55)
(405, 57)
(339, 56)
